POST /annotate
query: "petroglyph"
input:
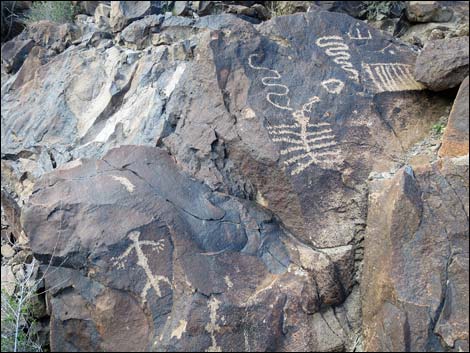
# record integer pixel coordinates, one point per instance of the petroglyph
(339, 50)
(153, 281)
(124, 181)
(307, 143)
(390, 77)
(359, 35)
(212, 327)
(333, 85)
(267, 81)
(178, 332)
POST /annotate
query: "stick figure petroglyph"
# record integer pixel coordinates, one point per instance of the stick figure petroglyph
(212, 327)
(303, 143)
(339, 50)
(153, 281)
(307, 143)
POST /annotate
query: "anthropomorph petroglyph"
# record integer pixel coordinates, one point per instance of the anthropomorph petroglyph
(390, 77)
(212, 327)
(308, 144)
(303, 143)
(336, 48)
(153, 281)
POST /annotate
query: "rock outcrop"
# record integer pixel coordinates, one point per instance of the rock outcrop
(415, 288)
(443, 63)
(209, 184)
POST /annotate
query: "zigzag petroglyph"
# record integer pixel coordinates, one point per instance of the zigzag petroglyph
(153, 281)
(307, 143)
(390, 77)
(339, 50)
(267, 81)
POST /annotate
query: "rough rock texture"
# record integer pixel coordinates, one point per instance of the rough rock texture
(15, 52)
(50, 35)
(443, 63)
(201, 183)
(427, 11)
(456, 138)
(175, 266)
(123, 12)
(416, 265)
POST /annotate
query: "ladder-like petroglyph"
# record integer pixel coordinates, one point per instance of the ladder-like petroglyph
(335, 47)
(212, 327)
(283, 90)
(304, 143)
(390, 77)
(360, 35)
(333, 85)
(153, 281)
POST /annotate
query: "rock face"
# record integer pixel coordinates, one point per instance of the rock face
(202, 184)
(415, 288)
(175, 266)
(456, 138)
(443, 63)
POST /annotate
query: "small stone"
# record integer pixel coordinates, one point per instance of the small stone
(7, 251)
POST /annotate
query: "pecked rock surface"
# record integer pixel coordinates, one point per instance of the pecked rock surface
(202, 184)
(146, 258)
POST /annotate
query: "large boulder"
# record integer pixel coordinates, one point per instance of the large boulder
(416, 261)
(456, 139)
(145, 258)
(14, 53)
(256, 144)
(443, 63)
(124, 12)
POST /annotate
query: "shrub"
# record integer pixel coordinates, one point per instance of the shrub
(54, 11)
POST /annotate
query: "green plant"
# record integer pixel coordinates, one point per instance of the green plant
(18, 325)
(280, 8)
(376, 10)
(54, 11)
(438, 128)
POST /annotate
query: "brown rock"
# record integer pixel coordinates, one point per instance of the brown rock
(443, 64)
(455, 141)
(14, 52)
(427, 11)
(124, 12)
(416, 259)
(50, 35)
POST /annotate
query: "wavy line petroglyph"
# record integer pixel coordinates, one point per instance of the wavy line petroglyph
(212, 327)
(391, 77)
(339, 50)
(153, 281)
(307, 143)
(267, 82)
